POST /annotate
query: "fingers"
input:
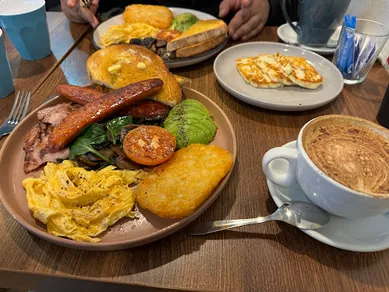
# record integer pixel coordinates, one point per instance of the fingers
(228, 5)
(224, 8)
(90, 17)
(71, 3)
(235, 23)
(247, 27)
(246, 10)
(254, 32)
(250, 19)
(246, 3)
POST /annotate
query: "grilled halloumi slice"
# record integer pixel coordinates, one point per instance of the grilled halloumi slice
(253, 75)
(299, 71)
(269, 65)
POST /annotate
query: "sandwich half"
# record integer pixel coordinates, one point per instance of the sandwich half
(200, 32)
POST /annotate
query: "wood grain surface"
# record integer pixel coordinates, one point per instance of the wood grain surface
(266, 257)
(29, 75)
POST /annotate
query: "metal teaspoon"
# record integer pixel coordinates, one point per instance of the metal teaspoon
(300, 214)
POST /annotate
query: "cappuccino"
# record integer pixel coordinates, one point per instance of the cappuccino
(351, 151)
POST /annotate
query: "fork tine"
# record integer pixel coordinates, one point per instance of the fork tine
(18, 108)
(26, 106)
(14, 106)
(21, 107)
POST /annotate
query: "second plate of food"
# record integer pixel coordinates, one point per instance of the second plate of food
(278, 76)
(190, 50)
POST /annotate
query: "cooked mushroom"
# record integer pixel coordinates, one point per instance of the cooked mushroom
(160, 43)
(83, 161)
(123, 134)
(125, 163)
(135, 41)
(148, 42)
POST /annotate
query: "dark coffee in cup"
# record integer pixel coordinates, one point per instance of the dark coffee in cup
(317, 19)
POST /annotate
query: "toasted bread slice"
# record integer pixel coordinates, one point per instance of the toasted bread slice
(300, 71)
(120, 65)
(253, 75)
(199, 32)
(183, 81)
(268, 64)
(200, 48)
(154, 15)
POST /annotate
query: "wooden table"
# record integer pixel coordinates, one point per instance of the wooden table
(29, 75)
(269, 257)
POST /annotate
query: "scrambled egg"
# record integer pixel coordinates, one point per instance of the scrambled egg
(123, 33)
(81, 204)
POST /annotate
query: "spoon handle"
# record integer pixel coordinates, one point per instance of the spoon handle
(219, 225)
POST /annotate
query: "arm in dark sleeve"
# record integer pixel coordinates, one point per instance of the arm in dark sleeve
(275, 15)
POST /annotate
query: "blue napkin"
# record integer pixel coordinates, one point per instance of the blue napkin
(346, 51)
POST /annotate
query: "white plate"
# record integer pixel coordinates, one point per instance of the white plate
(287, 98)
(362, 235)
(288, 35)
(118, 19)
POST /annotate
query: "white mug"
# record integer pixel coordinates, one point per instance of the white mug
(319, 188)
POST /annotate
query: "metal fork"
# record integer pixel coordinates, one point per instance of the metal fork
(86, 3)
(18, 113)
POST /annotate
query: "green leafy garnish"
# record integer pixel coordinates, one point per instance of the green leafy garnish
(93, 135)
(115, 126)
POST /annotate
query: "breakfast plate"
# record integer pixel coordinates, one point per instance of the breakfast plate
(177, 63)
(289, 36)
(126, 233)
(360, 235)
(287, 98)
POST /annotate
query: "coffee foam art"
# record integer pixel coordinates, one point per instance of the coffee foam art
(16, 7)
(351, 151)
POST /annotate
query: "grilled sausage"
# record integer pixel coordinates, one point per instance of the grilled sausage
(145, 109)
(81, 95)
(148, 109)
(98, 110)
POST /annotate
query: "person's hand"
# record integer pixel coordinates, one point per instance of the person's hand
(250, 17)
(76, 13)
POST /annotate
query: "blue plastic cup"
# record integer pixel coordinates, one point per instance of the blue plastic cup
(6, 85)
(25, 23)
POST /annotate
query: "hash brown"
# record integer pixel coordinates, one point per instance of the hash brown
(253, 75)
(178, 187)
(154, 15)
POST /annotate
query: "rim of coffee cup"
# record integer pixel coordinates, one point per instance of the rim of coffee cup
(42, 3)
(325, 176)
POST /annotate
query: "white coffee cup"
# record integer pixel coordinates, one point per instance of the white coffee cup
(319, 188)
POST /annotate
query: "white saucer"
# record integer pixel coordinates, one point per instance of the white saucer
(287, 98)
(361, 235)
(289, 36)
